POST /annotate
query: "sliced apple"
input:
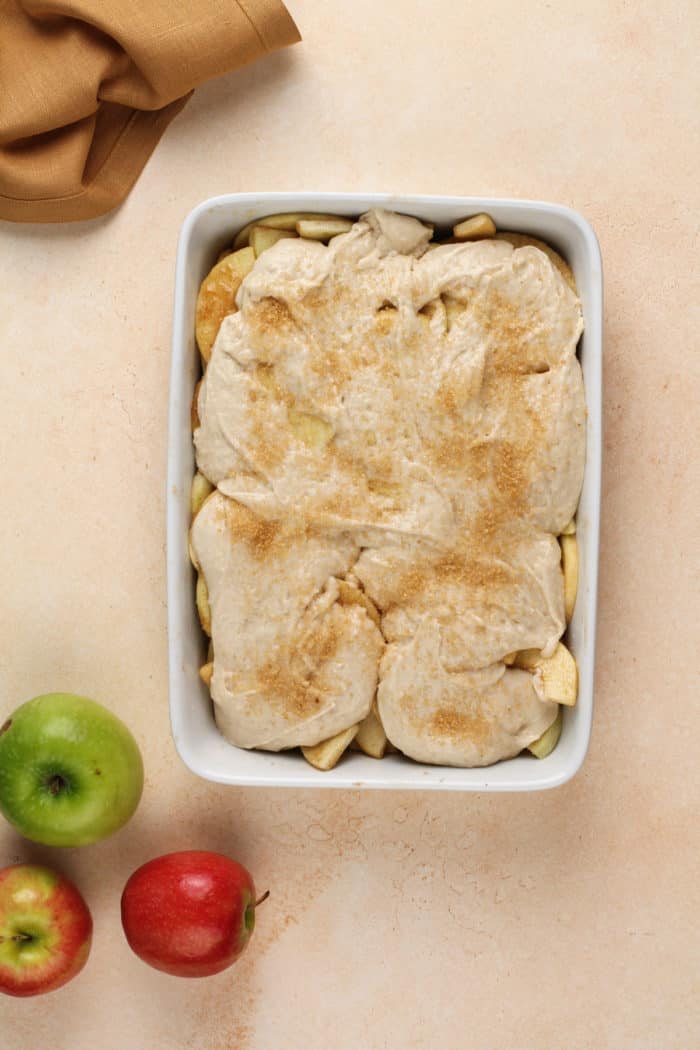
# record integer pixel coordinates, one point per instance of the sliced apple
(194, 409)
(201, 488)
(190, 550)
(371, 737)
(569, 564)
(202, 602)
(509, 659)
(569, 529)
(242, 238)
(545, 744)
(223, 253)
(217, 296)
(559, 673)
(476, 228)
(326, 754)
(286, 220)
(205, 673)
(322, 229)
(524, 240)
(263, 237)
(312, 430)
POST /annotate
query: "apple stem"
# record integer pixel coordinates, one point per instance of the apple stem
(262, 897)
(56, 783)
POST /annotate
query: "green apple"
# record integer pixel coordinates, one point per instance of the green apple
(70, 771)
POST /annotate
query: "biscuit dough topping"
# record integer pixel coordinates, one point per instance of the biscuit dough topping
(406, 423)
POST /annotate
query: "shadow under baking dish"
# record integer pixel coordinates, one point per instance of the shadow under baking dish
(205, 230)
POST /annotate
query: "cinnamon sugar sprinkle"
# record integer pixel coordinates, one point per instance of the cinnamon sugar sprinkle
(450, 722)
(288, 682)
(286, 691)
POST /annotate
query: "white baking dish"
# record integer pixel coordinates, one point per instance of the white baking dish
(205, 231)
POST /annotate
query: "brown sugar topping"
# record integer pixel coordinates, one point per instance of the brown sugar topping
(447, 721)
(295, 692)
(286, 691)
(269, 451)
(260, 535)
(269, 313)
(458, 567)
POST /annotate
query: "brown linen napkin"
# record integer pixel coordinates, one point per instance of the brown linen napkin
(87, 87)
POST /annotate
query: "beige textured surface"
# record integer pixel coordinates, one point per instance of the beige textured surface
(396, 921)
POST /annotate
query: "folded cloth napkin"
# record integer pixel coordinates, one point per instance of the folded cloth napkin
(87, 87)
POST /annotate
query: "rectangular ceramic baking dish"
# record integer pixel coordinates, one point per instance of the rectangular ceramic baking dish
(205, 231)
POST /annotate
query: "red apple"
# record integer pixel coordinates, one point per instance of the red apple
(189, 914)
(45, 930)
